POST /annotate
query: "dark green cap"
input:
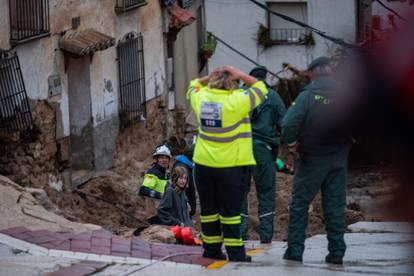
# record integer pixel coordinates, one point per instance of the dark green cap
(320, 61)
(259, 72)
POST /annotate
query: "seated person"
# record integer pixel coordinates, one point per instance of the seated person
(174, 207)
(156, 179)
(186, 162)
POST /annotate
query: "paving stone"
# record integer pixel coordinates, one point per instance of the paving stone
(101, 250)
(22, 236)
(187, 248)
(141, 245)
(14, 230)
(80, 244)
(41, 233)
(101, 241)
(85, 236)
(119, 240)
(160, 250)
(120, 248)
(63, 235)
(40, 239)
(61, 245)
(141, 254)
(101, 234)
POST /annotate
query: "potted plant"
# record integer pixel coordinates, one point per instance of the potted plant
(209, 46)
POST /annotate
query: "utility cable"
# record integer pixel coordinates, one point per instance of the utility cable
(335, 40)
(391, 10)
(243, 55)
(84, 195)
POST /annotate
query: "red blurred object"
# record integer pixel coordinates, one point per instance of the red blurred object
(376, 22)
(176, 230)
(187, 235)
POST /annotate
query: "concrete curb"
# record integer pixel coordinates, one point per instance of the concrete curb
(41, 251)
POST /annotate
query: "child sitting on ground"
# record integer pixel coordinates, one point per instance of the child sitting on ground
(174, 207)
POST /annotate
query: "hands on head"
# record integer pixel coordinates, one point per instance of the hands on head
(235, 74)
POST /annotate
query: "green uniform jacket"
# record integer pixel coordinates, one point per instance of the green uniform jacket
(266, 121)
(312, 120)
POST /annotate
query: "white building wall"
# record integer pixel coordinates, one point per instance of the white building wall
(237, 22)
(42, 58)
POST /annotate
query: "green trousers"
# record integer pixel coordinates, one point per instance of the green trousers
(265, 179)
(327, 174)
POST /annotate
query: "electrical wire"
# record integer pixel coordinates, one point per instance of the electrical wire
(161, 260)
(391, 10)
(84, 195)
(335, 40)
(243, 55)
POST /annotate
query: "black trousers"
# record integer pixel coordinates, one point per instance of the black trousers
(221, 197)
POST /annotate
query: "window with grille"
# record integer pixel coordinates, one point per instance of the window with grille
(15, 112)
(29, 19)
(281, 31)
(131, 72)
(126, 5)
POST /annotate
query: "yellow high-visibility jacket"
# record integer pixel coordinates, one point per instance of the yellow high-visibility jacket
(224, 131)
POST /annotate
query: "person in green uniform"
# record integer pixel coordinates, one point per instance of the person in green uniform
(266, 120)
(321, 143)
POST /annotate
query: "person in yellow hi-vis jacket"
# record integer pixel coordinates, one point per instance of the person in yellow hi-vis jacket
(222, 154)
(156, 178)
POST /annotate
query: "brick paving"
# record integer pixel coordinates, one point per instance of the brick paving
(102, 242)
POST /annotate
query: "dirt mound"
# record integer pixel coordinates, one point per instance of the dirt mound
(104, 201)
(18, 207)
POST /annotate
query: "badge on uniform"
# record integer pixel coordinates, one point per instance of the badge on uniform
(211, 114)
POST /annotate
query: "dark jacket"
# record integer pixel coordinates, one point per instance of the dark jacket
(183, 161)
(266, 121)
(313, 120)
(173, 209)
(157, 175)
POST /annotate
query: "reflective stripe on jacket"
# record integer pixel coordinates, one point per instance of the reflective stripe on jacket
(224, 130)
(156, 179)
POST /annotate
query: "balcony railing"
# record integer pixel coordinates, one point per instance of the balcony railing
(290, 37)
(126, 5)
(29, 19)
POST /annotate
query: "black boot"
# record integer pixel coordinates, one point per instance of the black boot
(215, 255)
(245, 259)
(289, 257)
(334, 259)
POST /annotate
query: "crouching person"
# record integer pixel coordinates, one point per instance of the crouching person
(174, 207)
(156, 179)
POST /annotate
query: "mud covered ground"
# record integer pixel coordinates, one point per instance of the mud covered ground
(112, 202)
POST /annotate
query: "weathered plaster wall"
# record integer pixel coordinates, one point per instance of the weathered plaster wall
(186, 58)
(150, 24)
(237, 24)
(42, 58)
